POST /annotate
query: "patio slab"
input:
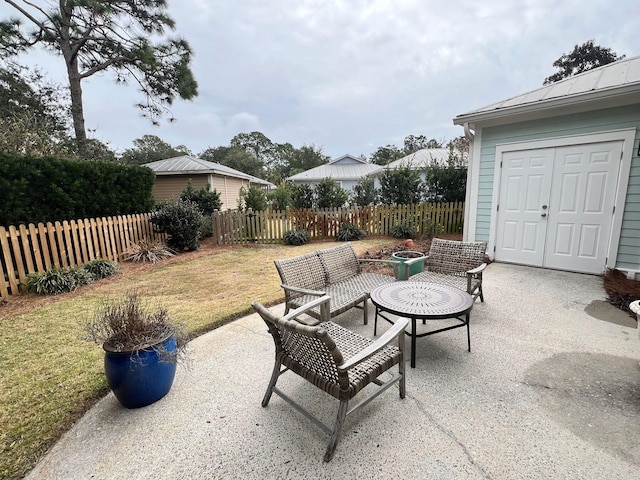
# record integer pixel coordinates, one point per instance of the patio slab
(547, 391)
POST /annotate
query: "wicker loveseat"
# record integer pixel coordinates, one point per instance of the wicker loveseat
(459, 264)
(333, 271)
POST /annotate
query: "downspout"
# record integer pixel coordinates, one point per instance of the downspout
(467, 200)
(468, 133)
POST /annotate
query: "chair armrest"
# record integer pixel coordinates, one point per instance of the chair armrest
(397, 329)
(308, 306)
(411, 261)
(377, 260)
(304, 291)
(478, 269)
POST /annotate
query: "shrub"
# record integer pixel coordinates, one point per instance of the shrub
(101, 268)
(403, 230)
(364, 193)
(129, 324)
(296, 237)
(446, 183)
(46, 189)
(329, 194)
(54, 281)
(206, 229)
(206, 198)
(302, 196)
(182, 221)
(81, 276)
(253, 198)
(281, 197)
(400, 186)
(144, 251)
(430, 228)
(348, 231)
(61, 280)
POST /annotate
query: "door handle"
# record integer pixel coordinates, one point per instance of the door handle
(543, 214)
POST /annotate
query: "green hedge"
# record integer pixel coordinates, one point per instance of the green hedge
(50, 189)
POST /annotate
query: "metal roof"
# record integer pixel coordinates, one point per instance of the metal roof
(417, 160)
(602, 83)
(355, 169)
(187, 165)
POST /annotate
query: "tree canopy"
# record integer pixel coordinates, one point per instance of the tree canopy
(400, 186)
(583, 58)
(386, 155)
(33, 112)
(414, 143)
(151, 148)
(94, 37)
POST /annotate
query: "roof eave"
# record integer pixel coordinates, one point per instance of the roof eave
(592, 100)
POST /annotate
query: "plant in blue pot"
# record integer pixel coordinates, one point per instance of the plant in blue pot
(142, 348)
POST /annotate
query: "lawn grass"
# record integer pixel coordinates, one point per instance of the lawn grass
(48, 377)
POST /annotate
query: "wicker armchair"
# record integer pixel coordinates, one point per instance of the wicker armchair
(334, 359)
(459, 264)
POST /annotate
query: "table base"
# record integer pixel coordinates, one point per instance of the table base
(414, 335)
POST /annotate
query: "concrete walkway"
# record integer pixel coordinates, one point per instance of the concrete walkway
(548, 391)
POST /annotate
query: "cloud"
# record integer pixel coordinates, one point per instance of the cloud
(353, 75)
(244, 122)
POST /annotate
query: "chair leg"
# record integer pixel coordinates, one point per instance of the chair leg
(481, 295)
(272, 383)
(331, 448)
(366, 311)
(401, 383)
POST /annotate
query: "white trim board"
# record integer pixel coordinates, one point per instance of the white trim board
(473, 180)
(627, 136)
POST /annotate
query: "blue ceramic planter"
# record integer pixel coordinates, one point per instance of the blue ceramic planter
(140, 378)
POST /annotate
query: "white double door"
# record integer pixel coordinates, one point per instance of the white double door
(556, 206)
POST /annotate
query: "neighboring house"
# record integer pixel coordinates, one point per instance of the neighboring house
(173, 174)
(417, 161)
(421, 159)
(347, 171)
(554, 174)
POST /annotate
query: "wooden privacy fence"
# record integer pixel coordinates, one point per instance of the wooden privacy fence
(269, 226)
(36, 248)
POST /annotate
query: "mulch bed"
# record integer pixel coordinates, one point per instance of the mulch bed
(419, 244)
(620, 290)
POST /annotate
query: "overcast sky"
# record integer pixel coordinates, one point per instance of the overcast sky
(351, 76)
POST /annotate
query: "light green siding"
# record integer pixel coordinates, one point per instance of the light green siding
(578, 124)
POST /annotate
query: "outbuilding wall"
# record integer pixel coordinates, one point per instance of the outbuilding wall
(482, 180)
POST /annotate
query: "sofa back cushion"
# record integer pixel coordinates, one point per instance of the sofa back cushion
(303, 271)
(340, 263)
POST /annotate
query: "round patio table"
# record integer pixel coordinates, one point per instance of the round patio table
(422, 301)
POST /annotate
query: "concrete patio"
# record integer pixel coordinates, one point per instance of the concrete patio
(551, 389)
